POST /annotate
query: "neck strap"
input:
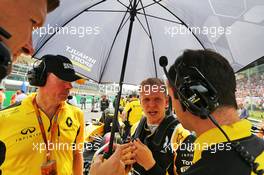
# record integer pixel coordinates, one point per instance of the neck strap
(54, 126)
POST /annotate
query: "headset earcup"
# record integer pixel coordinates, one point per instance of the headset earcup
(181, 101)
(43, 78)
(38, 75)
(5, 61)
(195, 92)
(184, 100)
(191, 100)
(31, 77)
(3, 72)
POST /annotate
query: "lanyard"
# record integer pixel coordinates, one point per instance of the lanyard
(54, 126)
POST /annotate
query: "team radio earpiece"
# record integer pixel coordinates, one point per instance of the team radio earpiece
(195, 92)
(5, 56)
(38, 75)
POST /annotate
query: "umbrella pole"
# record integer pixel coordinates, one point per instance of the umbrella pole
(133, 12)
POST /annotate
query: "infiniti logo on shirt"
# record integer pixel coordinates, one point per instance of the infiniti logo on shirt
(28, 130)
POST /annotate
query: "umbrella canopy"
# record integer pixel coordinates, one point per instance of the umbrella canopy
(93, 34)
(99, 53)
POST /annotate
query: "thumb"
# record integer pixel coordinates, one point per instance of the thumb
(98, 159)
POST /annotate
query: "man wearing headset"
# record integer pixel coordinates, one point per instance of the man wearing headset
(43, 133)
(202, 82)
(17, 21)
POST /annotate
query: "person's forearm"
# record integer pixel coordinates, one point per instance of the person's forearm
(78, 164)
(123, 116)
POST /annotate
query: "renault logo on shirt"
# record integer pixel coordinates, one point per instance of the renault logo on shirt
(69, 122)
(28, 130)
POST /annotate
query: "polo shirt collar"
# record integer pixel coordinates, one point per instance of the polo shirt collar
(29, 105)
(234, 131)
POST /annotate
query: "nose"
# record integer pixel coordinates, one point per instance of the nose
(152, 103)
(28, 48)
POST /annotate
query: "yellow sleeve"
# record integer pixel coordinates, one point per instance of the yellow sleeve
(178, 136)
(80, 135)
(260, 161)
(134, 127)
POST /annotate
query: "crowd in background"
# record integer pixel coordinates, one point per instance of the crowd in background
(250, 91)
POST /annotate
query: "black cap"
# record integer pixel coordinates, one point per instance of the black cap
(60, 66)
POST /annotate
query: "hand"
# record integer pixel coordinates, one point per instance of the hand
(115, 164)
(143, 155)
(96, 166)
(128, 156)
(123, 116)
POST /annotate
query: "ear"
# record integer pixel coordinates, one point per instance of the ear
(176, 104)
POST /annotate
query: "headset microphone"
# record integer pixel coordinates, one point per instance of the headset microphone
(5, 56)
(163, 61)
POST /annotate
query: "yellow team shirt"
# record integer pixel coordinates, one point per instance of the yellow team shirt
(122, 103)
(21, 137)
(133, 111)
(235, 131)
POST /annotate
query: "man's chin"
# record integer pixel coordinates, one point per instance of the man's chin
(155, 119)
(19, 53)
(15, 56)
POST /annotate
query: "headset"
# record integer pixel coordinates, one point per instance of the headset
(38, 75)
(195, 92)
(5, 56)
(199, 97)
